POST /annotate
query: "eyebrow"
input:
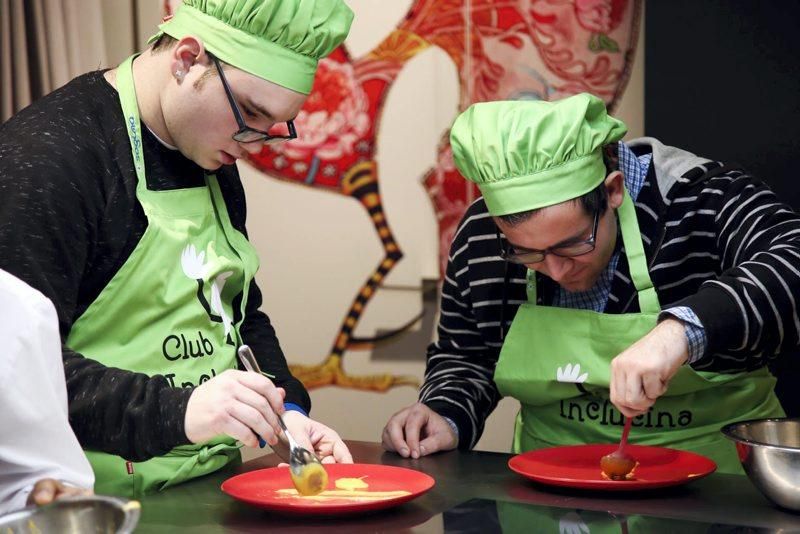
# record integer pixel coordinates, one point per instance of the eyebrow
(264, 111)
(249, 103)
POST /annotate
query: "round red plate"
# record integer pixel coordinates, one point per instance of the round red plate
(578, 466)
(260, 488)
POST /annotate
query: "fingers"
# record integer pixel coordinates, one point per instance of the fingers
(263, 386)
(417, 431)
(439, 435)
(266, 424)
(333, 450)
(653, 386)
(641, 373)
(341, 453)
(628, 395)
(633, 390)
(231, 400)
(252, 421)
(301, 433)
(238, 430)
(44, 492)
(442, 440)
(414, 423)
(316, 437)
(393, 437)
(72, 491)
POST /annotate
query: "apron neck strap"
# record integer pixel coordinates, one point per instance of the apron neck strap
(637, 261)
(133, 123)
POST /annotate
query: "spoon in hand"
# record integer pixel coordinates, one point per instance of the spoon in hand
(307, 472)
(619, 463)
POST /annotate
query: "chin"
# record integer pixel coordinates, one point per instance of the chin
(205, 163)
(575, 287)
(579, 285)
(211, 165)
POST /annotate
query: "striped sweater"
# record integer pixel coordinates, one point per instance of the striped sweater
(717, 241)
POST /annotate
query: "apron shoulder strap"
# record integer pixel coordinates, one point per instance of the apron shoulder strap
(637, 261)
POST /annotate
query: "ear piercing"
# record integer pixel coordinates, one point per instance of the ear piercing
(179, 74)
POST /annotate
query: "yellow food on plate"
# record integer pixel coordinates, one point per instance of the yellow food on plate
(350, 489)
(312, 479)
(351, 484)
(349, 495)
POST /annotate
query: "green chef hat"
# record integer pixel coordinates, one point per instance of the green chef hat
(278, 40)
(525, 155)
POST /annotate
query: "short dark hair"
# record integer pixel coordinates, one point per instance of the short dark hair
(164, 42)
(594, 200)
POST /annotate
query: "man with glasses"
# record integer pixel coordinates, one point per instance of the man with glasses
(120, 202)
(597, 280)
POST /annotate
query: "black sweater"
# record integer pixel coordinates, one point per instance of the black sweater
(717, 240)
(69, 219)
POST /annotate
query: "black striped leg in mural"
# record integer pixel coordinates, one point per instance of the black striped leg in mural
(361, 184)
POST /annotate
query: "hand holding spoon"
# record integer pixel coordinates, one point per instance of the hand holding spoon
(307, 472)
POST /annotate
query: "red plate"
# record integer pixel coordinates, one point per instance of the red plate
(579, 467)
(260, 488)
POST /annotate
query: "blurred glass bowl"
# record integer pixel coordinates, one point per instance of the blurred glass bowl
(96, 514)
(769, 450)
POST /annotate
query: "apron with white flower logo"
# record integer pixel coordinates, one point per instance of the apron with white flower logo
(556, 362)
(169, 311)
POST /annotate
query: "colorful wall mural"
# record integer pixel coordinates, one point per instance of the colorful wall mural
(502, 50)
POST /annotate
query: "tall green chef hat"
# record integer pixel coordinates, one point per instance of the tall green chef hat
(278, 40)
(525, 155)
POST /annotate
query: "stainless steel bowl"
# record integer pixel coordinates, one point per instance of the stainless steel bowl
(75, 515)
(769, 450)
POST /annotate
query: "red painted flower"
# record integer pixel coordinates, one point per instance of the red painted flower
(599, 16)
(333, 118)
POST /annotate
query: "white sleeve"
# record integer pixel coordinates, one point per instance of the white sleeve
(36, 440)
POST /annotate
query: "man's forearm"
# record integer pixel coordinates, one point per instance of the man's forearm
(124, 413)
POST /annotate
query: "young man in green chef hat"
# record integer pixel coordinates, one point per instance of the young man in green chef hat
(119, 201)
(596, 277)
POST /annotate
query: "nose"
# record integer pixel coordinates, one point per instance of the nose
(556, 267)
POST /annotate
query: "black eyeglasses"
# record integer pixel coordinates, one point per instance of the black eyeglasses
(526, 256)
(247, 134)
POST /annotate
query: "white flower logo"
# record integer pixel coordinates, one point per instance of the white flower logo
(571, 523)
(195, 267)
(570, 373)
(193, 263)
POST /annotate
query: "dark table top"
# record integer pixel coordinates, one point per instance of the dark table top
(718, 503)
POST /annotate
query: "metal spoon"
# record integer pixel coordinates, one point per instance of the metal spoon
(307, 472)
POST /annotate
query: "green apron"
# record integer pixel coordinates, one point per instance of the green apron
(169, 311)
(518, 517)
(557, 363)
